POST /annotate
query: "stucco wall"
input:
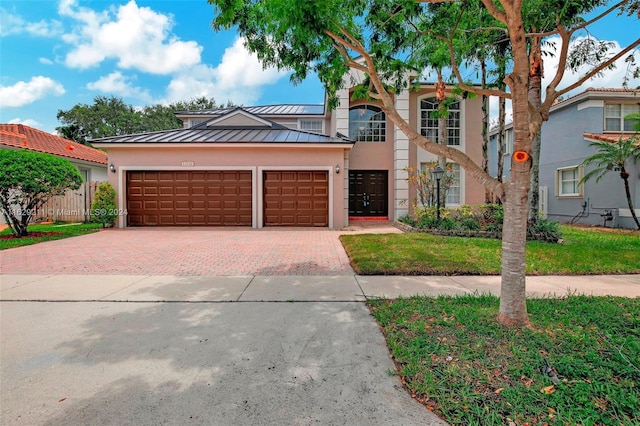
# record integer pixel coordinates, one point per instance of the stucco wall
(471, 142)
(242, 158)
(563, 145)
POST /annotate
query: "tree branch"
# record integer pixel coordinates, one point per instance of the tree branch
(494, 11)
(597, 69)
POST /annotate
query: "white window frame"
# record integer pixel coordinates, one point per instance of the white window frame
(377, 135)
(625, 109)
(431, 131)
(302, 121)
(560, 181)
(457, 171)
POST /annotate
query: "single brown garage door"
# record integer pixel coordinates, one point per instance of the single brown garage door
(189, 198)
(296, 198)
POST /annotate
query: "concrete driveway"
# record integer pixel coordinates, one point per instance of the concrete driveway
(70, 363)
(190, 252)
(170, 349)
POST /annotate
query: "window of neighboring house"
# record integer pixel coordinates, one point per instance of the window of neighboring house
(567, 182)
(614, 115)
(367, 123)
(508, 142)
(315, 126)
(85, 173)
(429, 123)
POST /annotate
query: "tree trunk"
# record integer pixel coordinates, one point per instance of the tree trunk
(502, 113)
(485, 129)
(513, 309)
(625, 177)
(535, 98)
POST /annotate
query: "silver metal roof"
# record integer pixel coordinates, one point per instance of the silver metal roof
(274, 110)
(227, 135)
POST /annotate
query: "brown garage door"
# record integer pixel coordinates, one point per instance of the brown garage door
(189, 198)
(296, 198)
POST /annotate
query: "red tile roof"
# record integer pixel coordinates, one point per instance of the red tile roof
(607, 137)
(21, 136)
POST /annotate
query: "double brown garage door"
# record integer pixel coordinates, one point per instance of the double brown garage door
(224, 198)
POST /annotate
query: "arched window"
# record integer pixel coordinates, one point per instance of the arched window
(367, 123)
(429, 123)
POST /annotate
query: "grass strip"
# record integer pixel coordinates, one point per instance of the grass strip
(454, 358)
(57, 232)
(583, 251)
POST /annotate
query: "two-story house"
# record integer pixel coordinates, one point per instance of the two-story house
(285, 165)
(593, 115)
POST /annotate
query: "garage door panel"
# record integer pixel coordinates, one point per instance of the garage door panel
(296, 198)
(189, 198)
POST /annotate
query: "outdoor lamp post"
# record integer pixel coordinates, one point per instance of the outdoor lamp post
(437, 174)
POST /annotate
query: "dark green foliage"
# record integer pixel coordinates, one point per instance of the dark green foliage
(111, 116)
(487, 219)
(103, 209)
(27, 180)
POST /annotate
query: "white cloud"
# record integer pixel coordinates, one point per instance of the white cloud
(45, 61)
(137, 37)
(27, 122)
(23, 93)
(610, 78)
(118, 84)
(239, 78)
(11, 24)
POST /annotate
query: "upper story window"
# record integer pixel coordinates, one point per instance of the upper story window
(311, 125)
(367, 123)
(196, 121)
(429, 123)
(614, 115)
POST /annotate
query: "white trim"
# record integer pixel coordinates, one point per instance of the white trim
(591, 103)
(260, 186)
(121, 171)
(558, 190)
(189, 145)
(244, 113)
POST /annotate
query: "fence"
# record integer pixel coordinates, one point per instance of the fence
(73, 206)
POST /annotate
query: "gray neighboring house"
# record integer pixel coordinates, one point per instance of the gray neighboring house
(597, 114)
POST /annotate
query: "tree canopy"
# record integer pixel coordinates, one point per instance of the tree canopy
(388, 41)
(27, 180)
(111, 116)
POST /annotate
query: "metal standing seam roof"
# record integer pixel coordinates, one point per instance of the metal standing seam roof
(240, 135)
(282, 109)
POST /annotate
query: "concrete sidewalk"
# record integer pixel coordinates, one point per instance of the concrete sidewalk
(151, 288)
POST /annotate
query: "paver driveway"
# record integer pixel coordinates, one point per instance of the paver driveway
(188, 251)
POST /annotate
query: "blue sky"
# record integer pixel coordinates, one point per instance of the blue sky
(56, 54)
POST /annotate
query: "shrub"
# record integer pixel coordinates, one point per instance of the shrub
(103, 209)
(485, 218)
(27, 180)
(544, 229)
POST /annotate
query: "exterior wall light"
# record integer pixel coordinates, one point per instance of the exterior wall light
(112, 168)
(337, 169)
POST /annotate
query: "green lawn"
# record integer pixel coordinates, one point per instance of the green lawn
(61, 230)
(455, 359)
(584, 251)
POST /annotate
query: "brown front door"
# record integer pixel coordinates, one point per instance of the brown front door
(368, 193)
(189, 198)
(296, 198)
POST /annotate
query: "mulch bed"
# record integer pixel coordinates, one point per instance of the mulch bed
(30, 235)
